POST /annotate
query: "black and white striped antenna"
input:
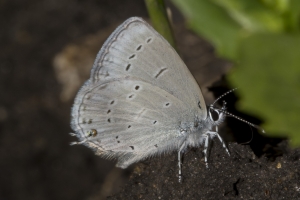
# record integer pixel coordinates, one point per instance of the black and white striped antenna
(232, 115)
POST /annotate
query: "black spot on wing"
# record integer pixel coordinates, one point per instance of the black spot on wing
(160, 72)
(128, 67)
(132, 56)
(139, 47)
(199, 104)
(149, 40)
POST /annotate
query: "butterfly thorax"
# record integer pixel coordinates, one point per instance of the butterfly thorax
(197, 130)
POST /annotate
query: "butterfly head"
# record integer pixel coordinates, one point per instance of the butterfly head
(216, 115)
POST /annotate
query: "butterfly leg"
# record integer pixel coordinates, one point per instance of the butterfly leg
(222, 141)
(208, 136)
(217, 131)
(179, 161)
(206, 142)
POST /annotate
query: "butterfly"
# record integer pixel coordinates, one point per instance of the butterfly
(141, 100)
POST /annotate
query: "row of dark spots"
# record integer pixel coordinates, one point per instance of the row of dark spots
(109, 111)
(112, 102)
(140, 46)
(137, 87)
(132, 147)
(129, 126)
(129, 65)
(133, 55)
(109, 121)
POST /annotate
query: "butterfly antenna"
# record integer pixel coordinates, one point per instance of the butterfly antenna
(232, 115)
(222, 96)
(241, 119)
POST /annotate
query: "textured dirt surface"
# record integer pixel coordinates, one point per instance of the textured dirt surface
(36, 161)
(240, 176)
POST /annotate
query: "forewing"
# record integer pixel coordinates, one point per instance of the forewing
(139, 94)
(135, 49)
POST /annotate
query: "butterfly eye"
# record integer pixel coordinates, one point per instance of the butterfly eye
(214, 115)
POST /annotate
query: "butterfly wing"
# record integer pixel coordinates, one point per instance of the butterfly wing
(138, 97)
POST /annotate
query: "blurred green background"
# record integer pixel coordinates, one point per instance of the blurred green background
(261, 38)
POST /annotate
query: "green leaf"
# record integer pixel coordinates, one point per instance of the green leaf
(253, 15)
(212, 22)
(160, 22)
(277, 5)
(268, 73)
(293, 16)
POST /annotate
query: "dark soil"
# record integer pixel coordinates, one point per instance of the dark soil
(240, 176)
(36, 161)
